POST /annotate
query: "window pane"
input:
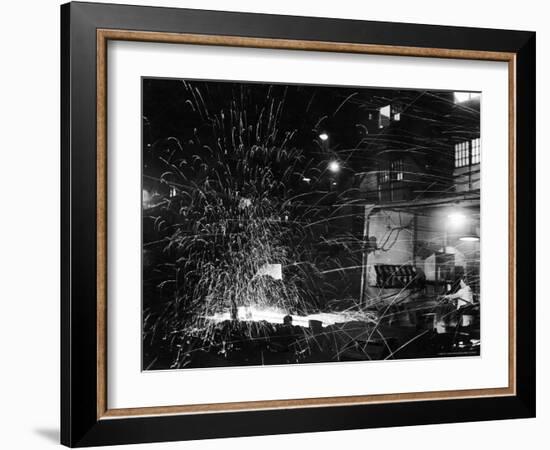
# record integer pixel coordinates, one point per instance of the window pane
(396, 170)
(476, 151)
(462, 154)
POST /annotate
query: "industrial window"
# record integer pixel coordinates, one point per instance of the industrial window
(468, 152)
(476, 151)
(465, 96)
(384, 116)
(383, 176)
(462, 154)
(396, 170)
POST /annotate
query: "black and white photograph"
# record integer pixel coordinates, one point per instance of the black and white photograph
(292, 224)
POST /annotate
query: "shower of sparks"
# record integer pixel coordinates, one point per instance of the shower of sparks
(254, 230)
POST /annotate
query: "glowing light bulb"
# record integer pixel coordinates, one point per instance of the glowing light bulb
(334, 166)
(456, 219)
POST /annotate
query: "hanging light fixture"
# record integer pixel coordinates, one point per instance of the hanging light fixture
(334, 166)
(471, 234)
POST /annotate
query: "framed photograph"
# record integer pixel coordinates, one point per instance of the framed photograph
(276, 224)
